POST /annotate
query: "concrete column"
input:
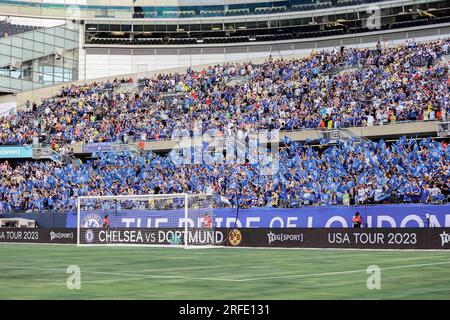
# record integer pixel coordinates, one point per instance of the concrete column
(35, 70)
(81, 54)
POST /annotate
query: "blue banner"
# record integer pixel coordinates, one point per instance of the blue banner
(380, 216)
(97, 147)
(16, 152)
(42, 219)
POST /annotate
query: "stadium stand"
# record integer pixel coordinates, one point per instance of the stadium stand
(259, 35)
(328, 90)
(277, 21)
(257, 8)
(345, 174)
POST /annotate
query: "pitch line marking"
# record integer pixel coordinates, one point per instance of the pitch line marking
(233, 280)
(344, 272)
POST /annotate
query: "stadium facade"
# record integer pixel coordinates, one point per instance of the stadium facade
(126, 37)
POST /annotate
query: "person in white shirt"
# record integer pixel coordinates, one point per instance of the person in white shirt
(432, 115)
(378, 193)
(362, 195)
(379, 117)
(370, 120)
(435, 190)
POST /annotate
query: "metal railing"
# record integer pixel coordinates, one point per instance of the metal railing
(125, 147)
(8, 112)
(443, 129)
(46, 153)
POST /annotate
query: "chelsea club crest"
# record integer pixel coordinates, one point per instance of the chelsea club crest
(92, 220)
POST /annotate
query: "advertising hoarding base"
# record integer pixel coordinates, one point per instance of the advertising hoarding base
(333, 238)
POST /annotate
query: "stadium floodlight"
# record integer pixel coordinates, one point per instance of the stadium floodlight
(165, 220)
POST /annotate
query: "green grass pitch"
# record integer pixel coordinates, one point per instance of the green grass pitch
(39, 272)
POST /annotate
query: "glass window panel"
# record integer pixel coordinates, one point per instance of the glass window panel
(5, 41)
(27, 85)
(195, 27)
(49, 39)
(60, 32)
(252, 25)
(50, 31)
(69, 44)
(160, 28)
(285, 23)
(16, 41)
(39, 36)
(27, 55)
(171, 27)
(67, 75)
(16, 84)
(16, 52)
(74, 35)
(5, 81)
(48, 49)
(4, 49)
(38, 47)
(206, 27)
(4, 60)
(103, 27)
(27, 44)
(114, 27)
(126, 27)
(59, 42)
(28, 35)
(149, 28)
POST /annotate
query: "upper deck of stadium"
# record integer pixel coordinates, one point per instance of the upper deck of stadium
(182, 9)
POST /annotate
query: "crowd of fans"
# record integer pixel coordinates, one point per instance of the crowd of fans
(350, 172)
(328, 89)
(8, 29)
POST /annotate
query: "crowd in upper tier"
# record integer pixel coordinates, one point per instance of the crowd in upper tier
(350, 172)
(328, 89)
